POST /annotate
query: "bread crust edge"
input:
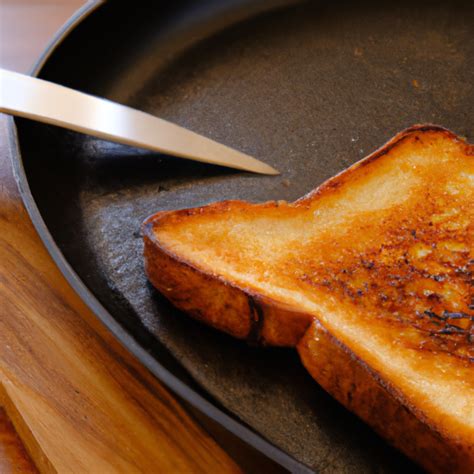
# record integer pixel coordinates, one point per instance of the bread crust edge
(240, 312)
(365, 392)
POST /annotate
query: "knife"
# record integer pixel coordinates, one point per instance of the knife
(44, 101)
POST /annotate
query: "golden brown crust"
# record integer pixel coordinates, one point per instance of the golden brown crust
(219, 303)
(345, 175)
(244, 312)
(363, 391)
(202, 296)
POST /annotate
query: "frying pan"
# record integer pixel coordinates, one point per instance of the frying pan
(310, 88)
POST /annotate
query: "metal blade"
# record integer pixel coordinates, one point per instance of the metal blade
(51, 103)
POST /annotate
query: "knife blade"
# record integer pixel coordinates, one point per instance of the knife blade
(54, 104)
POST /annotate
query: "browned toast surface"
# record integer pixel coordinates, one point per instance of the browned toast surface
(379, 260)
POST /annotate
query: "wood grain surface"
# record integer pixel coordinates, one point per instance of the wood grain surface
(13, 456)
(78, 400)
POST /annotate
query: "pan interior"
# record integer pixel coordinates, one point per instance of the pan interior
(309, 88)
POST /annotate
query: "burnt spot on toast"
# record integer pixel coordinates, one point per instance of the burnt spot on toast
(415, 271)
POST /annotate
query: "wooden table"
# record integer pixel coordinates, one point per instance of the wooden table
(78, 400)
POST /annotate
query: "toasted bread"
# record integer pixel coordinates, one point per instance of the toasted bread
(369, 276)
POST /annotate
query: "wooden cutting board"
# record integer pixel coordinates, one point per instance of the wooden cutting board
(78, 400)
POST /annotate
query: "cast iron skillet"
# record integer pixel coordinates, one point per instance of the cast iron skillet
(308, 87)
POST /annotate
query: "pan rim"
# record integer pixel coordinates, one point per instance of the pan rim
(171, 381)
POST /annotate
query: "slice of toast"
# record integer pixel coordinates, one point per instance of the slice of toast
(370, 276)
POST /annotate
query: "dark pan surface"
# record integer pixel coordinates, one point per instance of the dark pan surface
(310, 88)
